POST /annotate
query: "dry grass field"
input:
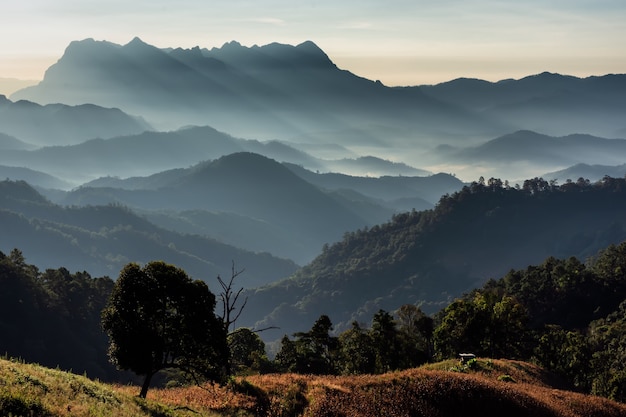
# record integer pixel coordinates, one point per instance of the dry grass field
(490, 388)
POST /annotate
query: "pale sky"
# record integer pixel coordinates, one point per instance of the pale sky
(400, 42)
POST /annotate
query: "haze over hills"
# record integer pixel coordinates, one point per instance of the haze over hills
(428, 258)
(10, 85)
(297, 94)
(274, 191)
(102, 239)
(256, 203)
(59, 124)
(8, 142)
(153, 152)
(271, 92)
(528, 154)
(589, 172)
(550, 103)
(35, 178)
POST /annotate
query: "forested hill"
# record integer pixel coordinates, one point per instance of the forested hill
(429, 257)
(101, 239)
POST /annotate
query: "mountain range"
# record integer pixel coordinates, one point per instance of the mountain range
(527, 154)
(152, 152)
(550, 103)
(273, 157)
(102, 239)
(256, 203)
(281, 91)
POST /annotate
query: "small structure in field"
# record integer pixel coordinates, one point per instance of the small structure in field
(466, 357)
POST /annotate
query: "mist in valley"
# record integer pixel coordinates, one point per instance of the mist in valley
(269, 155)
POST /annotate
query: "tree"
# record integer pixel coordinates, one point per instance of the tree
(385, 341)
(357, 354)
(415, 331)
(158, 318)
(317, 349)
(247, 351)
(229, 298)
(484, 323)
(566, 353)
(286, 359)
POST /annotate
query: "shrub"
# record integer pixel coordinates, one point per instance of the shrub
(506, 378)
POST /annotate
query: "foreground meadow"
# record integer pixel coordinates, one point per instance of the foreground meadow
(489, 388)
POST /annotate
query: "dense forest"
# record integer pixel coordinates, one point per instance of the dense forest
(430, 257)
(565, 314)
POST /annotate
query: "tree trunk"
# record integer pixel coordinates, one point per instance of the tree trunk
(146, 385)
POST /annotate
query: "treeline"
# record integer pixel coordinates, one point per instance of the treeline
(565, 315)
(53, 317)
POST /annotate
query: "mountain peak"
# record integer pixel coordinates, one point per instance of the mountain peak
(136, 41)
(231, 45)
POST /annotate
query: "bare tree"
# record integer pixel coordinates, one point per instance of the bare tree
(229, 298)
(231, 311)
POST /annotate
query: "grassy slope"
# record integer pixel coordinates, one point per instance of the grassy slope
(429, 391)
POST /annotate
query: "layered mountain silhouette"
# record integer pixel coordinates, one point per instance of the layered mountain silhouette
(427, 258)
(152, 152)
(35, 178)
(588, 172)
(8, 142)
(58, 124)
(102, 239)
(257, 203)
(272, 91)
(550, 103)
(537, 153)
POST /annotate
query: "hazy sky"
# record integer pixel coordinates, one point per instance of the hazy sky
(400, 42)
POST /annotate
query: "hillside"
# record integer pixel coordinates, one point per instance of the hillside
(60, 124)
(256, 203)
(591, 172)
(428, 258)
(35, 390)
(102, 239)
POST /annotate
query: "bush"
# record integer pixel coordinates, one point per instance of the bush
(506, 378)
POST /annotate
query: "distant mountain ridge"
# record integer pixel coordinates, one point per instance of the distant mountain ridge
(268, 206)
(102, 239)
(58, 124)
(152, 152)
(545, 102)
(273, 91)
(537, 153)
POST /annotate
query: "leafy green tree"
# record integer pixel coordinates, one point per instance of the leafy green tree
(357, 354)
(247, 351)
(287, 359)
(385, 341)
(416, 332)
(158, 318)
(608, 343)
(484, 323)
(317, 348)
(567, 353)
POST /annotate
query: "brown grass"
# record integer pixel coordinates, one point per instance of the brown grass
(433, 391)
